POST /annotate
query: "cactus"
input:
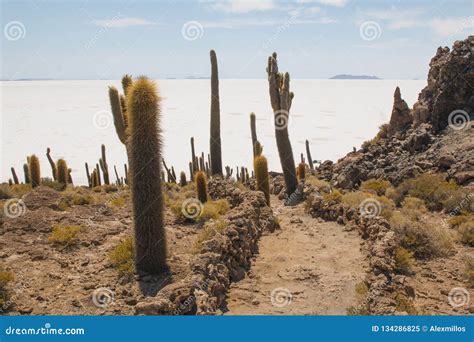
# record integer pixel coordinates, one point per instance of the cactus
(127, 81)
(260, 166)
(215, 139)
(95, 179)
(182, 179)
(201, 186)
(301, 171)
(63, 174)
(89, 180)
(10, 181)
(308, 156)
(302, 158)
(104, 166)
(191, 173)
(117, 176)
(117, 112)
(54, 169)
(35, 171)
(193, 156)
(281, 98)
(126, 173)
(171, 178)
(257, 148)
(143, 106)
(253, 131)
(15, 177)
(26, 171)
(69, 176)
(173, 174)
(97, 169)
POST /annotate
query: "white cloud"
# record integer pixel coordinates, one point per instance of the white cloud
(123, 22)
(336, 3)
(243, 6)
(235, 24)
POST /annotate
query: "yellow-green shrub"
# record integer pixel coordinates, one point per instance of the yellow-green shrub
(380, 186)
(456, 221)
(321, 184)
(208, 231)
(64, 235)
(333, 196)
(5, 192)
(470, 271)
(413, 207)
(355, 199)
(403, 260)
(122, 257)
(466, 230)
(5, 278)
(214, 209)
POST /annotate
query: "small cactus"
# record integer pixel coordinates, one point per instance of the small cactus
(94, 178)
(104, 166)
(261, 176)
(35, 171)
(127, 81)
(117, 113)
(191, 173)
(26, 171)
(54, 169)
(143, 106)
(201, 186)
(301, 171)
(193, 156)
(182, 179)
(97, 169)
(257, 148)
(89, 180)
(308, 156)
(63, 173)
(15, 177)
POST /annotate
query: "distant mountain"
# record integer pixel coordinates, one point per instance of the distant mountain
(354, 77)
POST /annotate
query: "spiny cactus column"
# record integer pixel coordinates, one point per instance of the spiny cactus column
(201, 186)
(126, 173)
(35, 171)
(26, 171)
(117, 112)
(301, 171)
(51, 162)
(215, 140)
(261, 176)
(191, 173)
(117, 176)
(63, 173)
(281, 98)
(144, 120)
(193, 156)
(257, 148)
(182, 179)
(89, 180)
(103, 165)
(15, 177)
(308, 155)
(97, 168)
(94, 179)
(253, 130)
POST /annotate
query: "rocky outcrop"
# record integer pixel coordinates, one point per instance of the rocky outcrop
(450, 83)
(401, 118)
(224, 258)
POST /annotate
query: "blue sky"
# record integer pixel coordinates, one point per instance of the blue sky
(314, 39)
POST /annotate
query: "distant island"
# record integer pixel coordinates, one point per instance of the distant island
(354, 77)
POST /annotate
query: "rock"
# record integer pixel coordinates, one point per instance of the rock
(464, 177)
(401, 118)
(445, 161)
(131, 301)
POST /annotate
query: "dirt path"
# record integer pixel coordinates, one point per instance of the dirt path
(305, 268)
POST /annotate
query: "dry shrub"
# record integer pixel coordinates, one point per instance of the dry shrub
(334, 196)
(379, 186)
(320, 184)
(403, 260)
(466, 231)
(209, 230)
(355, 199)
(5, 192)
(470, 271)
(52, 184)
(65, 235)
(413, 207)
(424, 240)
(456, 221)
(5, 278)
(122, 257)
(214, 209)
(405, 304)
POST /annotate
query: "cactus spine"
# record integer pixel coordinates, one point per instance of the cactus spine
(35, 171)
(201, 186)
(54, 169)
(62, 172)
(26, 171)
(261, 176)
(215, 139)
(143, 106)
(308, 156)
(281, 99)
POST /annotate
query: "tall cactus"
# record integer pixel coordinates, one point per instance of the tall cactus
(281, 98)
(193, 156)
(89, 179)
(261, 176)
(215, 139)
(26, 171)
(144, 120)
(201, 186)
(54, 169)
(63, 173)
(253, 131)
(35, 171)
(308, 156)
